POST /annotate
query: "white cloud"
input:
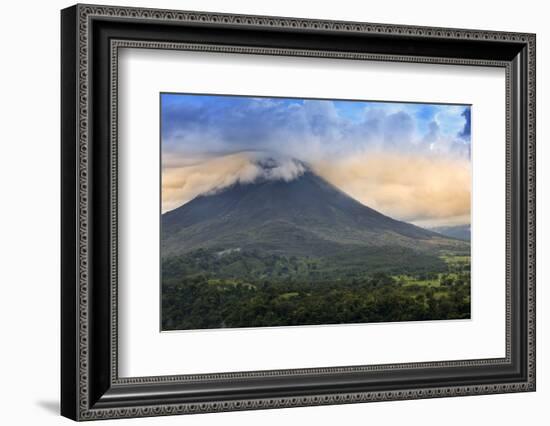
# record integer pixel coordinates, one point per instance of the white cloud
(183, 181)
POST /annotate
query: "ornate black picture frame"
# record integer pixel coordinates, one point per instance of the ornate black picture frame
(91, 387)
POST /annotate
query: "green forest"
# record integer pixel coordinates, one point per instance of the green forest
(232, 288)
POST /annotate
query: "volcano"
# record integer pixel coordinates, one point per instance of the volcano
(304, 215)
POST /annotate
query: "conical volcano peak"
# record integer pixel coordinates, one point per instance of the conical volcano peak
(286, 208)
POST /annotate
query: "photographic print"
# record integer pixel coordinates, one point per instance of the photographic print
(292, 211)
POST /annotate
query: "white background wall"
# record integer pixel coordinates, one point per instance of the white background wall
(29, 212)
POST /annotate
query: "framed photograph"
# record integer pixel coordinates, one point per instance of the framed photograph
(263, 212)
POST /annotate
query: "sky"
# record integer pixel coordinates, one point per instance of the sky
(410, 161)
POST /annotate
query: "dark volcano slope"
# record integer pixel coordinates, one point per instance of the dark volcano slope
(306, 216)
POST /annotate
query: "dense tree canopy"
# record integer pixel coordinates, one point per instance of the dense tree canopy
(208, 289)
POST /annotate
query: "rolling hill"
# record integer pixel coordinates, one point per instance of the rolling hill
(460, 232)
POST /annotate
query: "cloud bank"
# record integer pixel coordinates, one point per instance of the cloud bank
(181, 183)
(309, 130)
(410, 187)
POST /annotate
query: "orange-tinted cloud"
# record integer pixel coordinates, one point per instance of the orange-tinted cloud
(181, 183)
(183, 180)
(426, 190)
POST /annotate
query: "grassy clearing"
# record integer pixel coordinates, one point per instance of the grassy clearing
(289, 295)
(455, 259)
(457, 263)
(407, 281)
(229, 283)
